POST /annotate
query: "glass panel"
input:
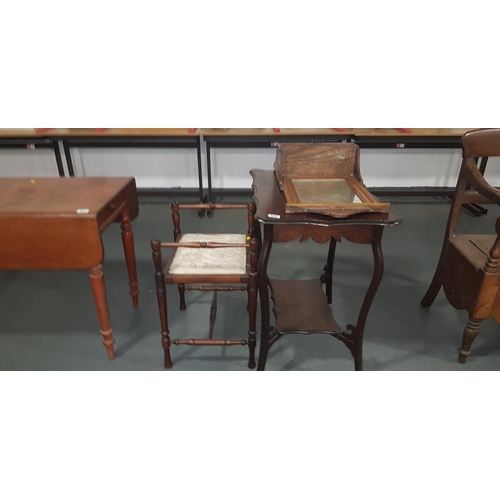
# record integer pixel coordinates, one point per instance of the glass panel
(324, 191)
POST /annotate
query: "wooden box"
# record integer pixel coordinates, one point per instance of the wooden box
(325, 179)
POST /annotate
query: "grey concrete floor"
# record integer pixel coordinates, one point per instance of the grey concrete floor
(48, 319)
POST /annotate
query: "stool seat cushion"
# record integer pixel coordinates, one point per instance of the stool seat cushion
(210, 261)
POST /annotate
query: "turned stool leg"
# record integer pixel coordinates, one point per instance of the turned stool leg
(101, 302)
(161, 293)
(252, 302)
(469, 335)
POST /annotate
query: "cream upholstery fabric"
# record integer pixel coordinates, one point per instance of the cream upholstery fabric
(210, 260)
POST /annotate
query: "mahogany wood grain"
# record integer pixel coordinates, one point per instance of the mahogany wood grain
(293, 160)
(321, 234)
(301, 307)
(57, 223)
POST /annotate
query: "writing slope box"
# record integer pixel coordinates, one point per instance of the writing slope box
(324, 179)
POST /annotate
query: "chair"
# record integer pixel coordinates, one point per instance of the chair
(468, 268)
(205, 262)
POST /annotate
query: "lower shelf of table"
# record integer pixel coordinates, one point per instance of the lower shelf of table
(300, 306)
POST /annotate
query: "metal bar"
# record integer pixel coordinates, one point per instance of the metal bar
(241, 141)
(484, 163)
(396, 191)
(483, 210)
(57, 154)
(200, 171)
(26, 143)
(132, 142)
(69, 161)
(472, 210)
(209, 173)
(427, 191)
(411, 142)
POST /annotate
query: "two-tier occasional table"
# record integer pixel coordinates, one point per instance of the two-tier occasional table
(57, 223)
(301, 306)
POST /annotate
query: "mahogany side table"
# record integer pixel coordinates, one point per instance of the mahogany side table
(301, 306)
(57, 223)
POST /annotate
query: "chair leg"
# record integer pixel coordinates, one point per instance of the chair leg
(437, 281)
(469, 335)
(432, 292)
(182, 293)
(162, 307)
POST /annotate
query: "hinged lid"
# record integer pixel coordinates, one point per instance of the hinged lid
(316, 161)
(323, 178)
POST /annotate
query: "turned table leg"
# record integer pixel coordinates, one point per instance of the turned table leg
(101, 302)
(129, 249)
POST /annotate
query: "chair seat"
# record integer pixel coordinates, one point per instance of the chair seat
(210, 261)
(475, 248)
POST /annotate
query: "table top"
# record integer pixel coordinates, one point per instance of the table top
(256, 132)
(97, 132)
(373, 132)
(173, 132)
(56, 223)
(411, 132)
(63, 196)
(270, 207)
(7, 133)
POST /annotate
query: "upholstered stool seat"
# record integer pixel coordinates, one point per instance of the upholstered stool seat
(210, 261)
